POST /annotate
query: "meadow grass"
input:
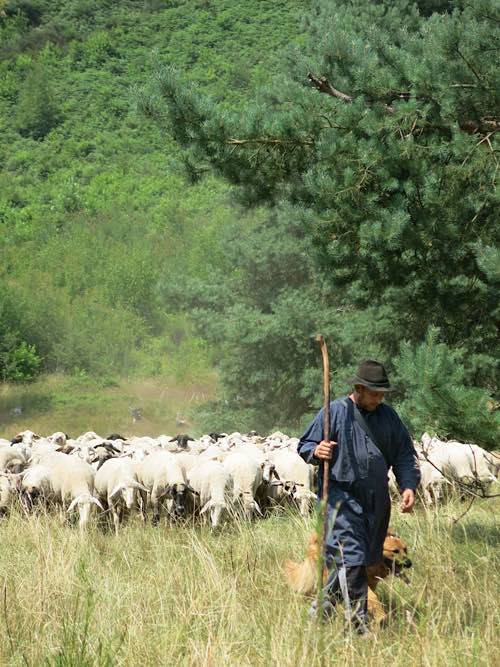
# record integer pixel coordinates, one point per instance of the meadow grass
(186, 596)
(76, 404)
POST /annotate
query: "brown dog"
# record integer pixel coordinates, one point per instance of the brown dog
(303, 576)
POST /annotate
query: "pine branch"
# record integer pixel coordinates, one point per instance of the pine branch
(324, 86)
(269, 141)
(470, 66)
(484, 125)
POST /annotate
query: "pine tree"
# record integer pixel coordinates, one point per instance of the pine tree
(38, 111)
(380, 142)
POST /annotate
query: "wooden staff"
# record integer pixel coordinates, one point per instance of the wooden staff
(323, 529)
(326, 415)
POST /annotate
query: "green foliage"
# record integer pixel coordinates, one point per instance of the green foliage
(93, 215)
(95, 51)
(437, 398)
(38, 112)
(19, 361)
(31, 10)
(387, 166)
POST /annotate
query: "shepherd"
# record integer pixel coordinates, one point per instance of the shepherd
(367, 437)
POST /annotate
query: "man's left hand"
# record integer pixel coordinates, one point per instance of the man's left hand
(407, 500)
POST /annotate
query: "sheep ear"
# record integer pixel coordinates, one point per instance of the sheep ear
(166, 494)
(275, 483)
(73, 504)
(97, 502)
(16, 479)
(141, 487)
(257, 508)
(190, 488)
(208, 505)
(118, 489)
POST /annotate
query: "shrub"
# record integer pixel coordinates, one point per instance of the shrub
(19, 361)
(37, 111)
(432, 376)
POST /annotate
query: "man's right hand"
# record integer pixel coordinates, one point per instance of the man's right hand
(324, 450)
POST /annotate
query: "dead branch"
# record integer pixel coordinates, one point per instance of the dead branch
(457, 519)
(483, 126)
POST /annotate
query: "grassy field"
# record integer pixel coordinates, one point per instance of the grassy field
(185, 596)
(78, 404)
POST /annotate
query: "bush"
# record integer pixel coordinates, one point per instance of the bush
(19, 361)
(96, 50)
(436, 399)
(37, 111)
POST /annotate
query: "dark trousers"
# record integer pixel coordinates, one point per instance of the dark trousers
(349, 585)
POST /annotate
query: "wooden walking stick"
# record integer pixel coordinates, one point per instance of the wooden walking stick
(326, 416)
(323, 513)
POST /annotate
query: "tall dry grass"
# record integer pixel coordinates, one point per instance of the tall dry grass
(186, 596)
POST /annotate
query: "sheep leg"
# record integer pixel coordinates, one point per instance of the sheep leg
(63, 517)
(143, 504)
(116, 519)
(155, 504)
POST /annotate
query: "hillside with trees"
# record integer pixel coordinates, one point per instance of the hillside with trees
(219, 181)
(94, 209)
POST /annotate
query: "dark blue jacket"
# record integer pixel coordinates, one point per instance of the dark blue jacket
(358, 487)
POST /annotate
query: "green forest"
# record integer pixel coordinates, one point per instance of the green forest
(190, 186)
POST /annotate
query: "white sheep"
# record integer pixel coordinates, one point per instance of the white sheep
(58, 438)
(88, 436)
(186, 460)
(8, 493)
(117, 486)
(72, 482)
(247, 479)
(41, 449)
(262, 458)
(28, 438)
(214, 453)
(432, 483)
(11, 459)
(164, 478)
(462, 463)
(36, 484)
(212, 485)
(392, 483)
(296, 479)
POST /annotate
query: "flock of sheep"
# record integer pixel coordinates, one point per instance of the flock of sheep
(220, 476)
(446, 466)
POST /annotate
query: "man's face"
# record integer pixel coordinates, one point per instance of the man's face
(368, 399)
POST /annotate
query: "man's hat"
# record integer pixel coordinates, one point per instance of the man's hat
(371, 374)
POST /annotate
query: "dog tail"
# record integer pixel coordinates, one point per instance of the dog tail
(302, 577)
